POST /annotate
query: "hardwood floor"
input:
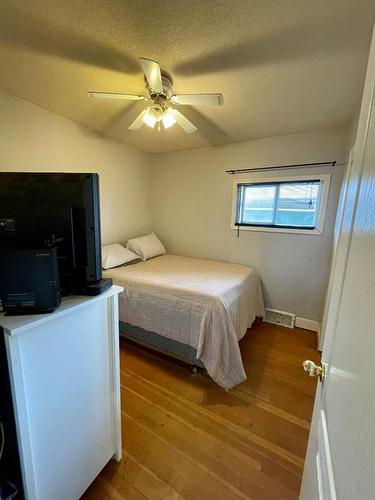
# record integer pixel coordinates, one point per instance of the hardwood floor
(186, 438)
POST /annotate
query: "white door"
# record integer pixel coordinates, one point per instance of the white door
(340, 462)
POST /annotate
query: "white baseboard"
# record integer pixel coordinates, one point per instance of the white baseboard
(308, 324)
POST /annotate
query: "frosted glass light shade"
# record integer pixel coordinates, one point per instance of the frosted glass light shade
(168, 119)
(149, 120)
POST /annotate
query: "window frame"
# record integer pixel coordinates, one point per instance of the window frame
(256, 179)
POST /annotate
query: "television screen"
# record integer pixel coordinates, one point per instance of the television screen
(55, 209)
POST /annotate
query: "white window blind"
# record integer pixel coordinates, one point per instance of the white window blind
(289, 204)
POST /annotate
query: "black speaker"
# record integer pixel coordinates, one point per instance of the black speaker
(29, 280)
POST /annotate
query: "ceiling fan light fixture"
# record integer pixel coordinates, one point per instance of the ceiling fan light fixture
(168, 119)
(149, 120)
(159, 90)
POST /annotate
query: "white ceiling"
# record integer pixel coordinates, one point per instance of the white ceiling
(283, 65)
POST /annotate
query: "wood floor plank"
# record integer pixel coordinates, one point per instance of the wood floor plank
(186, 438)
(209, 425)
(241, 416)
(193, 424)
(107, 487)
(221, 462)
(141, 478)
(174, 466)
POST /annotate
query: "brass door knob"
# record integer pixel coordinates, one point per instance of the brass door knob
(314, 370)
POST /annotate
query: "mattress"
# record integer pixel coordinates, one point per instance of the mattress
(205, 304)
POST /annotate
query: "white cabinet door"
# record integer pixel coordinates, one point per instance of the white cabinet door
(65, 399)
(340, 461)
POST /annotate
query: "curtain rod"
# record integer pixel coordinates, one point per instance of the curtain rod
(296, 165)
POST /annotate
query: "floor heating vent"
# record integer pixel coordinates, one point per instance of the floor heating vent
(279, 318)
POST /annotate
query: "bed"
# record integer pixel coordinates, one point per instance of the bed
(201, 308)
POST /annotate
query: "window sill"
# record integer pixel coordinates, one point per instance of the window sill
(312, 232)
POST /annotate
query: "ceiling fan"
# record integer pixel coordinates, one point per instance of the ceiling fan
(159, 91)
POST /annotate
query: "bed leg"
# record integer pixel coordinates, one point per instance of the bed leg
(195, 370)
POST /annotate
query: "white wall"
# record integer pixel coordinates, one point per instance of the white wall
(190, 198)
(191, 206)
(33, 139)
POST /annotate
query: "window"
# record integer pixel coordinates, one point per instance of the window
(288, 205)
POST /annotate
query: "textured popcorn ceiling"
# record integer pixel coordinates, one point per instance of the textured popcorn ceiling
(282, 65)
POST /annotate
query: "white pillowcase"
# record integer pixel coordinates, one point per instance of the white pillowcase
(146, 246)
(116, 255)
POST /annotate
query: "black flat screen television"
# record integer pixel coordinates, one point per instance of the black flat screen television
(55, 209)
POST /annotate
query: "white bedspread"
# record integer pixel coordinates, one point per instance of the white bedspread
(203, 303)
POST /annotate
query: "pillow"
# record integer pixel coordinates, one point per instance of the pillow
(115, 255)
(146, 246)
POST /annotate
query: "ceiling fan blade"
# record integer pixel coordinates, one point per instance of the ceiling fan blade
(116, 95)
(183, 122)
(138, 122)
(199, 99)
(153, 75)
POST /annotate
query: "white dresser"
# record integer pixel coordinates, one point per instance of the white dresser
(65, 381)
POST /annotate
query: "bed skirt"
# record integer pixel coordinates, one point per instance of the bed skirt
(164, 345)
